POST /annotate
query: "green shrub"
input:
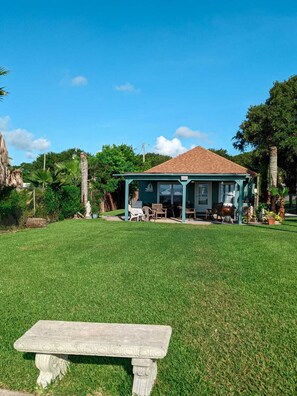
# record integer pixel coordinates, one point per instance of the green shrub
(70, 201)
(52, 200)
(12, 206)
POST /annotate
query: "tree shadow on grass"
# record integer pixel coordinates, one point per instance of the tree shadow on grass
(273, 228)
(290, 223)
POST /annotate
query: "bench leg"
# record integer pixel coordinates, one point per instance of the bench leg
(145, 373)
(51, 367)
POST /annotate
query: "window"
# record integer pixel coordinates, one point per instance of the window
(170, 193)
(202, 194)
(227, 192)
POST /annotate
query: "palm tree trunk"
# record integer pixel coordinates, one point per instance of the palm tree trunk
(273, 173)
(84, 178)
(282, 207)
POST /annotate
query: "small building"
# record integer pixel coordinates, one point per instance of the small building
(198, 178)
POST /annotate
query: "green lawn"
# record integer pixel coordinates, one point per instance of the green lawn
(229, 293)
(118, 212)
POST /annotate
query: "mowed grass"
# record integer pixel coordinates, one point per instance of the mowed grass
(229, 292)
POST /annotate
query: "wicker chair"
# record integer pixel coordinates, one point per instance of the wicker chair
(159, 210)
(148, 213)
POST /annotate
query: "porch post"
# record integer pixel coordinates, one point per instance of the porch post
(240, 198)
(127, 183)
(184, 199)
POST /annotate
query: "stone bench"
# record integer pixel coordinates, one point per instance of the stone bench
(53, 341)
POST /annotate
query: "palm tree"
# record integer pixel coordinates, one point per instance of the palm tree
(40, 178)
(3, 72)
(280, 194)
(272, 175)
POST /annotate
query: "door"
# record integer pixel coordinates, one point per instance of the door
(203, 199)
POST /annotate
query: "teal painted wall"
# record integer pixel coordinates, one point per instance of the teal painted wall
(147, 197)
(191, 194)
(215, 192)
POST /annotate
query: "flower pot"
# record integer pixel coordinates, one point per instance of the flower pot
(95, 216)
(271, 221)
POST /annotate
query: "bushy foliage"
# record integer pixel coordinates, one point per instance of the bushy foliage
(52, 200)
(51, 160)
(70, 202)
(13, 206)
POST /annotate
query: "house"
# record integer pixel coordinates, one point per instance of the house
(198, 178)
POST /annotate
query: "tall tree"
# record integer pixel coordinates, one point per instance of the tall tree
(111, 160)
(271, 128)
(3, 72)
(151, 160)
(222, 152)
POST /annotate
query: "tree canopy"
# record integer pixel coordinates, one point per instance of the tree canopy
(273, 123)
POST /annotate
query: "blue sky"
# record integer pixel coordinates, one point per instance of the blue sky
(171, 74)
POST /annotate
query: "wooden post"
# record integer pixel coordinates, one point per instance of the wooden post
(184, 199)
(240, 197)
(34, 202)
(127, 183)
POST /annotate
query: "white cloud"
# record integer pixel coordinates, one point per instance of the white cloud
(4, 123)
(186, 132)
(22, 139)
(127, 87)
(172, 147)
(79, 81)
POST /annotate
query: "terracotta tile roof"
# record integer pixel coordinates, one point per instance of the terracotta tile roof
(199, 161)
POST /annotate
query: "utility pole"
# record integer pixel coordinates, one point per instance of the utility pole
(143, 151)
(44, 157)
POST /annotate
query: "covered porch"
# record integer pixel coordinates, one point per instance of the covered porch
(183, 194)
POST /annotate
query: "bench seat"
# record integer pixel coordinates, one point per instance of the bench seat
(53, 341)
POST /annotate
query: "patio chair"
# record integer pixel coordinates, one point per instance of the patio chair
(148, 213)
(214, 212)
(135, 213)
(159, 210)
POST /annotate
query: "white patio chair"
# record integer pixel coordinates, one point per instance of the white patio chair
(135, 213)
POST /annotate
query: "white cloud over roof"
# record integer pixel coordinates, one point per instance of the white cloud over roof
(171, 147)
(186, 132)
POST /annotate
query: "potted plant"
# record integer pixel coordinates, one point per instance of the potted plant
(269, 216)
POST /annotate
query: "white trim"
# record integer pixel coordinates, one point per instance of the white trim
(225, 184)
